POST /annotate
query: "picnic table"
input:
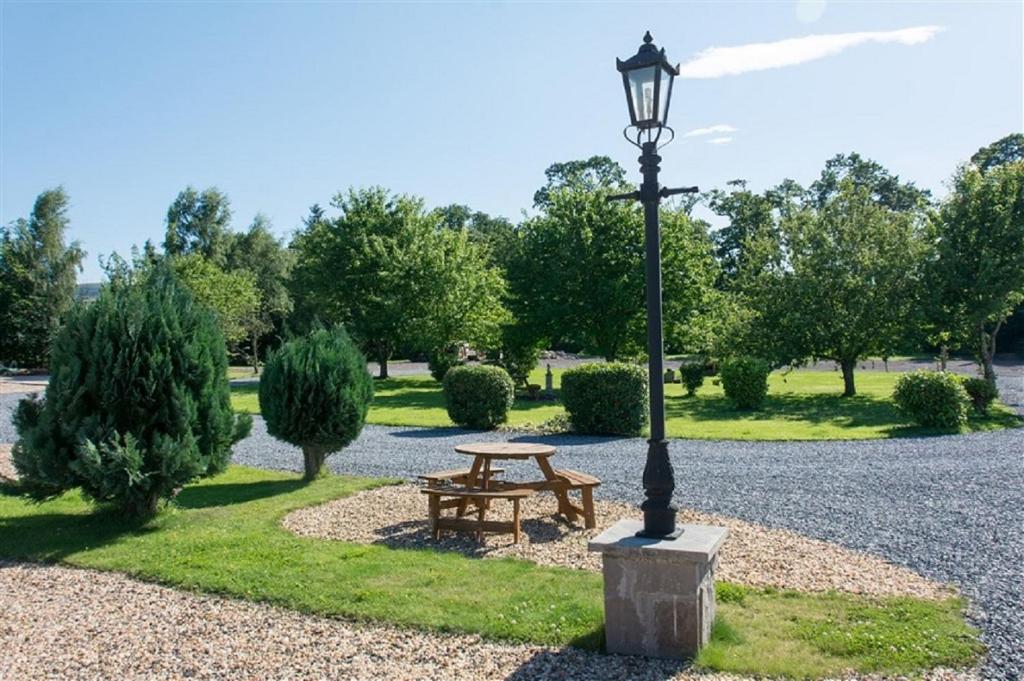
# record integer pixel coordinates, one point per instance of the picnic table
(480, 485)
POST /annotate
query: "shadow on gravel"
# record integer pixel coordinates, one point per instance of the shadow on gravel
(553, 664)
(228, 494)
(431, 433)
(568, 439)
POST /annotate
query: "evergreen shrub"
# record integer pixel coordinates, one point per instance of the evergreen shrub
(606, 399)
(138, 402)
(315, 393)
(478, 396)
(936, 399)
(692, 376)
(982, 393)
(745, 381)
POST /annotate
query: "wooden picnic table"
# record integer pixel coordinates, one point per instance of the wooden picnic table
(484, 453)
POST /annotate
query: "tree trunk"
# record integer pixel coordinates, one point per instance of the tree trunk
(849, 389)
(943, 356)
(382, 362)
(313, 462)
(988, 352)
(255, 354)
(145, 507)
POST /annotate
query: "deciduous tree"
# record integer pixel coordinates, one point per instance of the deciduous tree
(37, 280)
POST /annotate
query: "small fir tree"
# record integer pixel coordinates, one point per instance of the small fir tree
(314, 394)
(138, 403)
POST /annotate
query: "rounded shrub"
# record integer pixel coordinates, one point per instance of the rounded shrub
(692, 376)
(440, 361)
(478, 396)
(314, 393)
(745, 381)
(138, 402)
(606, 399)
(936, 399)
(982, 393)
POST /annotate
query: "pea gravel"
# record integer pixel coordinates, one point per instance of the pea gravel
(752, 555)
(63, 623)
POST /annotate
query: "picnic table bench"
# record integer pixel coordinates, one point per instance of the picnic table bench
(436, 497)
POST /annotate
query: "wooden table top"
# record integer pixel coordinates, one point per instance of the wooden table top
(506, 450)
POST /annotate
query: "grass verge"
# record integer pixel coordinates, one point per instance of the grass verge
(801, 405)
(223, 536)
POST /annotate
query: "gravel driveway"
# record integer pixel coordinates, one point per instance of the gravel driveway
(951, 508)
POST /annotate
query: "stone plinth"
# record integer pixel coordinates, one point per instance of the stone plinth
(659, 595)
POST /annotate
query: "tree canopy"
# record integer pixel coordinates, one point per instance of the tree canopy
(37, 280)
(199, 223)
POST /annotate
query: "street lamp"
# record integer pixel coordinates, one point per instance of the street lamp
(647, 77)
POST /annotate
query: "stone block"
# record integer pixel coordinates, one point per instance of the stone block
(659, 595)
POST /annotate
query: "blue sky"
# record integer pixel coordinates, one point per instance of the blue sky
(283, 104)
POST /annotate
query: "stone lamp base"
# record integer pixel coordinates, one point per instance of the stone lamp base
(659, 595)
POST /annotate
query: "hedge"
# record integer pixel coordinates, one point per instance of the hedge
(606, 399)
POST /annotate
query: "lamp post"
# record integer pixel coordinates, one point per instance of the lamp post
(647, 77)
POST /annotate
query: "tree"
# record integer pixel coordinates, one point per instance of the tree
(37, 280)
(386, 270)
(977, 273)
(590, 175)
(199, 223)
(233, 296)
(883, 187)
(578, 273)
(1009, 149)
(496, 234)
(464, 298)
(262, 255)
(315, 393)
(139, 404)
(846, 283)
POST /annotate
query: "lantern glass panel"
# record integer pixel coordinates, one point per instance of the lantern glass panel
(665, 96)
(641, 92)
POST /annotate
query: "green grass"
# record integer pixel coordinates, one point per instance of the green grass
(796, 635)
(223, 536)
(801, 405)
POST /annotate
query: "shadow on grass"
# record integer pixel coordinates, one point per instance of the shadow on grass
(50, 537)
(227, 494)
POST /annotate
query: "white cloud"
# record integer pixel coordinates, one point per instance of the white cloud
(720, 140)
(716, 62)
(710, 130)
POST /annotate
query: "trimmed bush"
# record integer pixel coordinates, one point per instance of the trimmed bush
(138, 403)
(745, 381)
(692, 376)
(440, 361)
(314, 394)
(936, 399)
(606, 399)
(981, 392)
(478, 396)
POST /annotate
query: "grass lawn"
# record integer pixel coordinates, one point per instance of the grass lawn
(224, 536)
(801, 405)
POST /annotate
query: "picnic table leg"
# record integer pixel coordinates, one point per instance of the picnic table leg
(435, 513)
(480, 520)
(561, 491)
(515, 521)
(587, 494)
(474, 471)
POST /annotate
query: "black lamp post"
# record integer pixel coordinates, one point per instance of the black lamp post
(647, 77)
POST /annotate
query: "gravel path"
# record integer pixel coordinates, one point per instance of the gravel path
(950, 508)
(753, 555)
